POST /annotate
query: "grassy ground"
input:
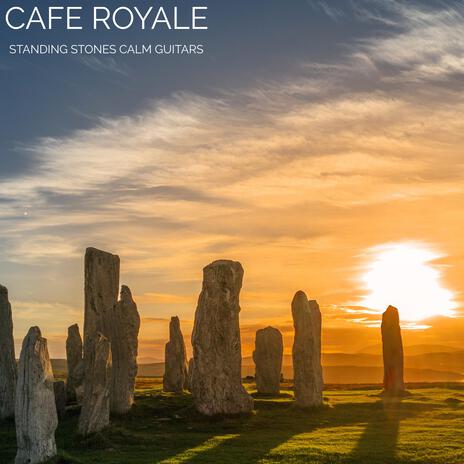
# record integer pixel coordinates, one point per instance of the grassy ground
(356, 426)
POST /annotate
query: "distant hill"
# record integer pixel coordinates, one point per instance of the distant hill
(412, 350)
(151, 370)
(148, 360)
(445, 361)
(346, 368)
(338, 374)
(332, 359)
(60, 367)
(356, 374)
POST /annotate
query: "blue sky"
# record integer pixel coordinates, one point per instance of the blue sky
(246, 42)
(301, 120)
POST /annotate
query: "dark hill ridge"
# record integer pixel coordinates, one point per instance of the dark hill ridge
(447, 361)
(338, 374)
(346, 368)
(412, 350)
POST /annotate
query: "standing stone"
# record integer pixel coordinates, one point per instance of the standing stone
(216, 383)
(95, 412)
(175, 363)
(35, 410)
(101, 293)
(75, 380)
(7, 358)
(191, 366)
(269, 350)
(123, 324)
(307, 368)
(393, 362)
(59, 388)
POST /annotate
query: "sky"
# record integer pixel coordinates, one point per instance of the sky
(314, 141)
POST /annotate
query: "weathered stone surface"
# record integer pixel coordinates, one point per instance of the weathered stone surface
(95, 412)
(175, 363)
(7, 358)
(101, 293)
(35, 410)
(59, 388)
(392, 352)
(216, 384)
(307, 368)
(75, 379)
(269, 350)
(191, 366)
(122, 324)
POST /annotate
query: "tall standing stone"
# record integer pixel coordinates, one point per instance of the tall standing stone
(101, 293)
(95, 412)
(75, 379)
(191, 366)
(123, 324)
(392, 352)
(7, 358)
(269, 350)
(59, 388)
(216, 383)
(307, 368)
(175, 363)
(35, 410)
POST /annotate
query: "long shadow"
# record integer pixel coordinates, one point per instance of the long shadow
(379, 440)
(275, 423)
(158, 428)
(164, 430)
(255, 437)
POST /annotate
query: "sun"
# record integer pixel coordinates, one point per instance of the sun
(404, 275)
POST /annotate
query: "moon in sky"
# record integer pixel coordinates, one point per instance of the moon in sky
(404, 275)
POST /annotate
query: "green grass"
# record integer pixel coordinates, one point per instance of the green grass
(356, 426)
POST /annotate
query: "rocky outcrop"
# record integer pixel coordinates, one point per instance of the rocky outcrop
(175, 377)
(75, 379)
(269, 350)
(7, 358)
(122, 328)
(101, 293)
(307, 368)
(216, 382)
(59, 388)
(95, 412)
(35, 410)
(393, 361)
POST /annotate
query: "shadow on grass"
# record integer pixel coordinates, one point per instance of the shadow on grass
(157, 428)
(165, 429)
(275, 423)
(379, 440)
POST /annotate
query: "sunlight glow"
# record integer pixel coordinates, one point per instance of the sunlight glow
(403, 275)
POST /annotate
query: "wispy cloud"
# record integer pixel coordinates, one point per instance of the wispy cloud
(298, 174)
(332, 12)
(105, 64)
(427, 44)
(419, 41)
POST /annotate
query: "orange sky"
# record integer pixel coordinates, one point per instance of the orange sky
(296, 178)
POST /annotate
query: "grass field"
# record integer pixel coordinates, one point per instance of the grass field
(356, 426)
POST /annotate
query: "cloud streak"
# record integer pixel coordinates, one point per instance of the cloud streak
(299, 175)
